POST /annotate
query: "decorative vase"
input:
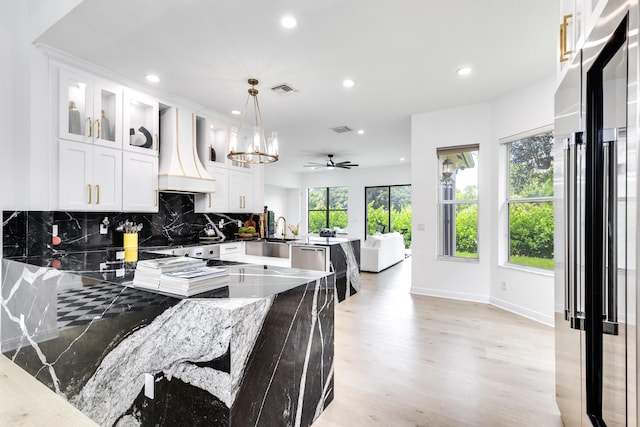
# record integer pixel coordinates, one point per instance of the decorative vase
(212, 155)
(75, 124)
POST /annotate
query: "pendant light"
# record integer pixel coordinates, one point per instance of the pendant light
(258, 149)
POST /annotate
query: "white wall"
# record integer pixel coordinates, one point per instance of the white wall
(14, 106)
(284, 202)
(446, 278)
(528, 294)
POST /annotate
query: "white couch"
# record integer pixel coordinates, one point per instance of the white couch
(381, 251)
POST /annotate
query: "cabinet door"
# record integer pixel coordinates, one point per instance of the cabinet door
(75, 163)
(76, 107)
(139, 182)
(107, 179)
(240, 191)
(217, 201)
(90, 111)
(140, 123)
(107, 114)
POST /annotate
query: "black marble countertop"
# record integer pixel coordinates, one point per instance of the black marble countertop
(245, 280)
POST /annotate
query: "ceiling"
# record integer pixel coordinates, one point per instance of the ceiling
(403, 56)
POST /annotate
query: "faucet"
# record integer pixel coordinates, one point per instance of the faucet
(284, 233)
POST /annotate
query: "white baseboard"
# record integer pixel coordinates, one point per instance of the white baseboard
(505, 305)
(451, 295)
(523, 311)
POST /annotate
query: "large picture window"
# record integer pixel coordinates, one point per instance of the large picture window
(530, 200)
(458, 202)
(388, 209)
(328, 208)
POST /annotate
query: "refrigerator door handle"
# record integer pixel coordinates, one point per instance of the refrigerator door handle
(573, 284)
(610, 213)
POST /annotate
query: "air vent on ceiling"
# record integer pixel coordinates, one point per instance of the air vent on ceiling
(283, 89)
(341, 129)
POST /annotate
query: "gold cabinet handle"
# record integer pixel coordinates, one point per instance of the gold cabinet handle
(89, 193)
(209, 199)
(157, 143)
(157, 197)
(97, 194)
(99, 130)
(564, 53)
(90, 127)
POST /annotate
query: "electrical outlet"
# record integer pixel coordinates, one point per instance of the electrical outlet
(504, 286)
(54, 230)
(149, 386)
(104, 229)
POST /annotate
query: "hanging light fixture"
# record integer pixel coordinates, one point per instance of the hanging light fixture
(258, 149)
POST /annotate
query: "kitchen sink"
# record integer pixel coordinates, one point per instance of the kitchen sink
(275, 249)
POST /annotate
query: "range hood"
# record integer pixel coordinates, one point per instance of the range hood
(180, 169)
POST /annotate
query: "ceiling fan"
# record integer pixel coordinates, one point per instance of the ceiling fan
(330, 164)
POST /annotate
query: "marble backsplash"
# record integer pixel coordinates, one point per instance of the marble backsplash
(29, 233)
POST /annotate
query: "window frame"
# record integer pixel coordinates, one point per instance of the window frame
(327, 210)
(389, 195)
(440, 203)
(509, 201)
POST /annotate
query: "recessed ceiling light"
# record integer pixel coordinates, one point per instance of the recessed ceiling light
(235, 112)
(348, 83)
(288, 22)
(152, 78)
(402, 159)
(361, 132)
(463, 71)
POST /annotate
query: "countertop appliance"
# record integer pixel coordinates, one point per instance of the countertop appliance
(327, 232)
(596, 155)
(310, 257)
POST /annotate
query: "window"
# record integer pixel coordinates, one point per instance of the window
(388, 209)
(328, 209)
(530, 200)
(458, 202)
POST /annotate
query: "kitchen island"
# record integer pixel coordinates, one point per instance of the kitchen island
(343, 259)
(258, 351)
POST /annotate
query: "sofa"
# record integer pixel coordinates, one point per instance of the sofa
(381, 251)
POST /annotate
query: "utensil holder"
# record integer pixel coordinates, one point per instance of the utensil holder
(130, 243)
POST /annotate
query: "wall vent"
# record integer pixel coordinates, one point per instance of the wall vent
(341, 129)
(284, 89)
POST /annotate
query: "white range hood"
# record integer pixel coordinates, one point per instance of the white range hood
(180, 169)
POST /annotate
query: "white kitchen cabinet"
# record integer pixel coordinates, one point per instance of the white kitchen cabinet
(90, 177)
(240, 191)
(90, 110)
(217, 201)
(139, 182)
(140, 123)
(232, 251)
(213, 142)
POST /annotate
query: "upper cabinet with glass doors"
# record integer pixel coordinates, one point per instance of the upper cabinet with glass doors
(90, 110)
(140, 123)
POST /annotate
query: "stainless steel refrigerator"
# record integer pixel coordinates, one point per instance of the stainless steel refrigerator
(596, 164)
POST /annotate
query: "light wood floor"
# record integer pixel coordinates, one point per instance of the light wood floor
(405, 360)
